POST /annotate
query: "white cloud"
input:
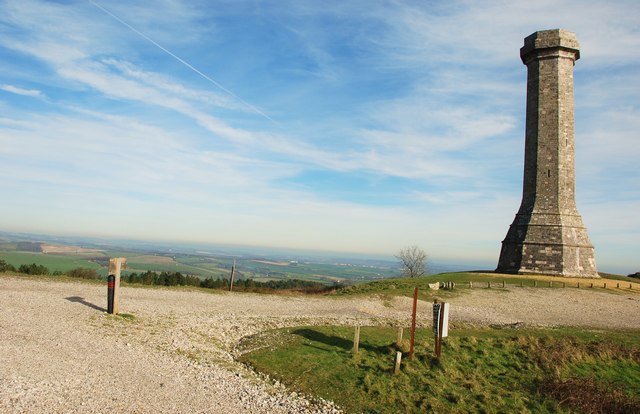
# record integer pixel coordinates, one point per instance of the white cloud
(20, 91)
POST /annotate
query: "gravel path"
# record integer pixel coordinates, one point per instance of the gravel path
(60, 352)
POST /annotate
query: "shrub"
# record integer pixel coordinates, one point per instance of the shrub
(33, 269)
(83, 273)
(6, 267)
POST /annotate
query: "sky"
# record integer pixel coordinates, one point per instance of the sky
(357, 126)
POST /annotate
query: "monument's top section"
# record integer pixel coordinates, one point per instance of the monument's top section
(551, 39)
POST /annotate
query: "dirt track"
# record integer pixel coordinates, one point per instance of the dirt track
(59, 351)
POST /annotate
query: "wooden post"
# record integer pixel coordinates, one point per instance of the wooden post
(356, 340)
(399, 336)
(618, 285)
(396, 369)
(551, 283)
(503, 283)
(233, 271)
(605, 285)
(488, 285)
(630, 286)
(115, 267)
(521, 283)
(578, 285)
(470, 285)
(413, 322)
(563, 284)
(535, 283)
(592, 285)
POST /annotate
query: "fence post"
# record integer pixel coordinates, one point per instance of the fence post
(356, 339)
(396, 369)
(551, 283)
(503, 284)
(399, 337)
(618, 285)
(563, 284)
(521, 283)
(605, 285)
(470, 285)
(115, 267)
(489, 285)
(578, 285)
(233, 271)
(535, 283)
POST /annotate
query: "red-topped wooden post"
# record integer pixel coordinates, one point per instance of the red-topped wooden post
(115, 267)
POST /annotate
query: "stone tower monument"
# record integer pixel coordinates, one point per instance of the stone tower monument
(547, 235)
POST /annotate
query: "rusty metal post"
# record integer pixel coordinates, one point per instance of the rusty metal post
(413, 322)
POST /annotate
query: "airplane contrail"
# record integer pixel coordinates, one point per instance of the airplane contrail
(187, 64)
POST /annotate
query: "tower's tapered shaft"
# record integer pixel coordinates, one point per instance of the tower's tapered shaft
(547, 234)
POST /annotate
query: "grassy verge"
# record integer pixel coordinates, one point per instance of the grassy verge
(482, 370)
(405, 286)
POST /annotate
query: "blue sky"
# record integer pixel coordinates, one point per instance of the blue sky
(359, 126)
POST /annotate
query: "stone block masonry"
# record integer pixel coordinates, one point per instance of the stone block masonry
(547, 235)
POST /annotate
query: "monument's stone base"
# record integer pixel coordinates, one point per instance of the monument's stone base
(554, 244)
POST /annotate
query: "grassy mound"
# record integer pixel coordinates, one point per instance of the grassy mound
(481, 370)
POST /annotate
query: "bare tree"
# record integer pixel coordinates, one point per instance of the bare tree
(413, 261)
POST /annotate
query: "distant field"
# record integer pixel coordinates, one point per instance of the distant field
(52, 262)
(69, 250)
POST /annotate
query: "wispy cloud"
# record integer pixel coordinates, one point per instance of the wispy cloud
(20, 91)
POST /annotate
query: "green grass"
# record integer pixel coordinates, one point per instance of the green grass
(405, 286)
(51, 261)
(481, 370)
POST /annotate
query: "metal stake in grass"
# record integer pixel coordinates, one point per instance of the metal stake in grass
(413, 322)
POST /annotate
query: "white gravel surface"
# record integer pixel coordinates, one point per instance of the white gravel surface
(60, 352)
